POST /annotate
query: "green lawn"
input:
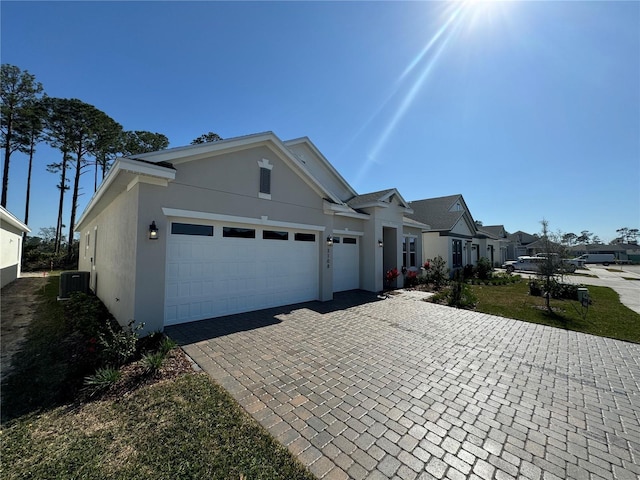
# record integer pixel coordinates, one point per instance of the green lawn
(184, 427)
(605, 317)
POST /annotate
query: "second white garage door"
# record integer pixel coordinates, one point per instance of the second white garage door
(346, 263)
(220, 269)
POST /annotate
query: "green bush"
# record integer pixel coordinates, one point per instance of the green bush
(118, 344)
(483, 269)
(101, 380)
(166, 345)
(152, 362)
(436, 272)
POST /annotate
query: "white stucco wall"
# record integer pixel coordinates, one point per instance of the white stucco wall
(11, 231)
(10, 253)
(112, 244)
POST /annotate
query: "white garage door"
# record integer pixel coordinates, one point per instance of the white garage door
(346, 263)
(221, 269)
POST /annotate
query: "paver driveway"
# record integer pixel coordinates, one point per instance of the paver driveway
(400, 388)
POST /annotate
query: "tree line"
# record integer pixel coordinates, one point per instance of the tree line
(85, 136)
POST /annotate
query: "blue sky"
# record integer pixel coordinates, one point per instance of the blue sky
(531, 110)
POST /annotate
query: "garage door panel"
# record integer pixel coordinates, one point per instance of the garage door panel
(214, 276)
(346, 265)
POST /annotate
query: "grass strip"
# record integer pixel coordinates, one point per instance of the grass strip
(606, 316)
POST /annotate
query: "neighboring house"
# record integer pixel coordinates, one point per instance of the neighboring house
(237, 225)
(11, 232)
(493, 240)
(452, 232)
(520, 243)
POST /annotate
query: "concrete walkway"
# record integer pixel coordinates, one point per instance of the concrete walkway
(404, 389)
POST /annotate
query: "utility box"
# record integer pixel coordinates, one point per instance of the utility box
(583, 296)
(73, 282)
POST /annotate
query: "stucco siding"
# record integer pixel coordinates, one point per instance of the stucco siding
(10, 253)
(229, 184)
(112, 244)
(319, 170)
(461, 228)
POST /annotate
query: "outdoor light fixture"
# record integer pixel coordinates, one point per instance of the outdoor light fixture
(380, 244)
(153, 231)
(329, 241)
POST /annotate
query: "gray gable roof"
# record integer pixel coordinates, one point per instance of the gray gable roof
(496, 231)
(436, 212)
(369, 199)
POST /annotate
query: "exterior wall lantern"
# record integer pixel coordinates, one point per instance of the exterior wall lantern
(329, 241)
(153, 231)
(380, 243)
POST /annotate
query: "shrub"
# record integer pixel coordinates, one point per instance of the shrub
(166, 345)
(483, 269)
(467, 272)
(152, 362)
(437, 273)
(535, 288)
(411, 279)
(118, 344)
(101, 380)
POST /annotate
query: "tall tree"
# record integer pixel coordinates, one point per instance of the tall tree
(206, 138)
(569, 239)
(108, 144)
(29, 132)
(58, 132)
(584, 237)
(140, 141)
(16, 89)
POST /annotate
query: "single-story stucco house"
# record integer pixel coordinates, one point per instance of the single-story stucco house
(11, 232)
(237, 225)
(452, 234)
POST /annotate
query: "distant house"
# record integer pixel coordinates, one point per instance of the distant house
(452, 232)
(11, 233)
(237, 225)
(521, 243)
(494, 238)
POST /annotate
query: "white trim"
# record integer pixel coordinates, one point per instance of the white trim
(7, 217)
(175, 212)
(264, 163)
(348, 233)
(124, 165)
(150, 180)
(264, 196)
(343, 211)
(318, 153)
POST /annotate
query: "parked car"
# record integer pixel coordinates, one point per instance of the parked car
(524, 263)
(532, 264)
(570, 264)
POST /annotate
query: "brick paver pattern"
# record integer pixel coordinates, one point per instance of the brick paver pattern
(404, 389)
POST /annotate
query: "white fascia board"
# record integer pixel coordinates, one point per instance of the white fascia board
(371, 204)
(348, 232)
(179, 155)
(395, 192)
(314, 149)
(121, 165)
(7, 217)
(185, 153)
(217, 217)
(310, 179)
(343, 211)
